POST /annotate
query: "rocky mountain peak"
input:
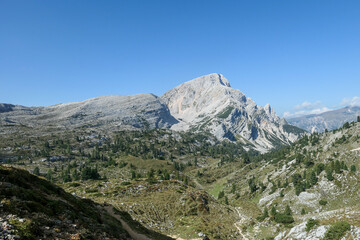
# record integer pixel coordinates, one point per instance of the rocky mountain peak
(208, 103)
(213, 79)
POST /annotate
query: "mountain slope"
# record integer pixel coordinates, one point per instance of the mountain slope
(33, 208)
(142, 111)
(328, 120)
(208, 103)
(39, 209)
(315, 178)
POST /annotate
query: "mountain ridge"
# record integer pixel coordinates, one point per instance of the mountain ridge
(329, 120)
(207, 103)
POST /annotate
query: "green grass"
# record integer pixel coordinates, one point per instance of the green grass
(226, 112)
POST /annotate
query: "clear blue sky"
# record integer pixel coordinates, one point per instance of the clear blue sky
(280, 52)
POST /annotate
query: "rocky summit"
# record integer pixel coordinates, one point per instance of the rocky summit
(208, 103)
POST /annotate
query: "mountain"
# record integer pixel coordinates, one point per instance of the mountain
(208, 103)
(328, 120)
(142, 111)
(205, 104)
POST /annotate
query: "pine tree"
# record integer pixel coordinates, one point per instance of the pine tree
(282, 193)
(266, 213)
(75, 175)
(329, 175)
(36, 171)
(303, 212)
(353, 168)
(288, 210)
(133, 174)
(186, 181)
(273, 211)
(221, 194)
(233, 188)
(337, 167)
(313, 178)
(49, 175)
(151, 173)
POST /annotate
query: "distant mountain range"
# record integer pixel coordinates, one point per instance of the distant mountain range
(328, 120)
(207, 104)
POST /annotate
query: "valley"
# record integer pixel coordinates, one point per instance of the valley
(180, 168)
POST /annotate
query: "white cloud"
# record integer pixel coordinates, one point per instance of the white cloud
(355, 101)
(306, 112)
(307, 108)
(308, 105)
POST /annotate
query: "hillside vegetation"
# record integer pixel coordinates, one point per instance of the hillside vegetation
(191, 185)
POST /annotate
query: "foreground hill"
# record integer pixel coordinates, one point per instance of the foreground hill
(328, 120)
(33, 208)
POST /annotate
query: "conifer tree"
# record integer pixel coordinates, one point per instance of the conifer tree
(36, 171)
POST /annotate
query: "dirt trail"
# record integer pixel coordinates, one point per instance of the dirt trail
(132, 233)
(240, 223)
(356, 149)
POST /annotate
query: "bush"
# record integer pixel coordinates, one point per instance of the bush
(337, 230)
(311, 223)
(283, 218)
(323, 202)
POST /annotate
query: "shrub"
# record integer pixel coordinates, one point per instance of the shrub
(311, 223)
(283, 218)
(337, 230)
(323, 202)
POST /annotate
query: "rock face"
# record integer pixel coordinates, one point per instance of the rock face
(208, 103)
(328, 120)
(142, 111)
